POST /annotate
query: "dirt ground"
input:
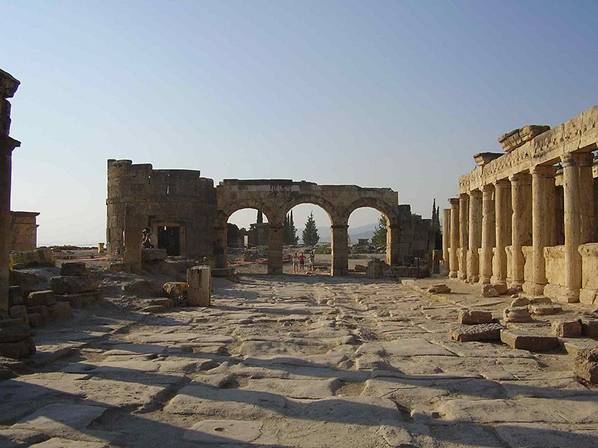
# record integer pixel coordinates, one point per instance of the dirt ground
(291, 361)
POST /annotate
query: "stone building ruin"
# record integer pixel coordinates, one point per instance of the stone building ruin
(187, 215)
(526, 218)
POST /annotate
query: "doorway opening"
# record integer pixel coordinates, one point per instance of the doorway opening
(169, 238)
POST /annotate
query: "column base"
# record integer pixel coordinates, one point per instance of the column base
(561, 293)
(533, 289)
(473, 279)
(453, 274)
(588, 296)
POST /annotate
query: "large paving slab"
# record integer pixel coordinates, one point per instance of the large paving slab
(295, 361)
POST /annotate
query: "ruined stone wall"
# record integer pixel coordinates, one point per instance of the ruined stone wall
(179, 198)
(415, 235)
(23, 231)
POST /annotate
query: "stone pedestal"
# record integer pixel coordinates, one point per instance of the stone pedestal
(463, 235)
(7, 145)
(475, 236)
(454, 246)
(446, 236)
(199, 290)
(543, 206)
(488, 233)
(275, 236)
(392, 245)
(340, 249)
(502, 204)
(521, 199)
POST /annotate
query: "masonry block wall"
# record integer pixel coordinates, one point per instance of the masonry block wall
(179, 199)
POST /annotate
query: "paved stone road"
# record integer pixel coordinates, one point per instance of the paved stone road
(297, 362)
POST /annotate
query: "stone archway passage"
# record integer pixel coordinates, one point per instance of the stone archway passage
(276, 197)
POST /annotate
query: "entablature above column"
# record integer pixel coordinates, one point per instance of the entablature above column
(579, 134)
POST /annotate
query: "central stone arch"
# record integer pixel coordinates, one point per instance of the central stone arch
(275, 197)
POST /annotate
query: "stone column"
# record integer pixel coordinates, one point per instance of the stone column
(392, 245)
(7, 145)
(463, 235)
(475, 236)
(275, 236)
(132, 236)
(446, 236)
(543, 202)
(199, 289)
(488, 233)
(586, 194)
(578, 217)
(502, 204)
(340, 249)
(454, 247)
(521, 199)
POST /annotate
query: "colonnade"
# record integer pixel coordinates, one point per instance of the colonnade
(490, 228)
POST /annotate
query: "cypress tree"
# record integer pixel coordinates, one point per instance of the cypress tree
(310, 233)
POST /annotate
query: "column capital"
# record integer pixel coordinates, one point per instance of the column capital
(543, 171)
(502, 183)
(521, 177)
(8, 144)
(488, 188)
(454, 202)
(577, 159)
(475, 193)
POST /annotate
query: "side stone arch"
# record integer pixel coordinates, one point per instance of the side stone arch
(391, 212)
(332, 211)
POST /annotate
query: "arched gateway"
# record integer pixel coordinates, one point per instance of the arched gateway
(275, 198)
(187, 215)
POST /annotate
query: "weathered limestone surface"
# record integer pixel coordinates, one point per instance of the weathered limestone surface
(309, 363)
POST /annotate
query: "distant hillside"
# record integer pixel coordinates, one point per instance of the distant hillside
(355, 233)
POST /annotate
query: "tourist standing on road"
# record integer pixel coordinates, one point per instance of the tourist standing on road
(301, 261)
(295, 262)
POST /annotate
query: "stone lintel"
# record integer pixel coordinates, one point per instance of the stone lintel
(482, 158)
(517, 137)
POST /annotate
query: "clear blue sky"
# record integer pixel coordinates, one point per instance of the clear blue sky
(376, 93)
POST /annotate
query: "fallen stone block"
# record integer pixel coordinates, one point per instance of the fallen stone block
(162, 301)
(546, 310)
(73, 285)
(37, 298)
(73, 268)
(17, 350)
(60, 310)
(501, 289)
(36, 320)
(519, 302)
(586, 365)
(18, 312)
(489, 291)
(40, 309)
(12, 330)
(79, 300)
(532, 343)
(481, 332)
(589, 328)
(473, 317)
(15, 295)
(517, 315)
(155, 309)
(541, 300)
(175, 290)
(567, 328)
(439, 288)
